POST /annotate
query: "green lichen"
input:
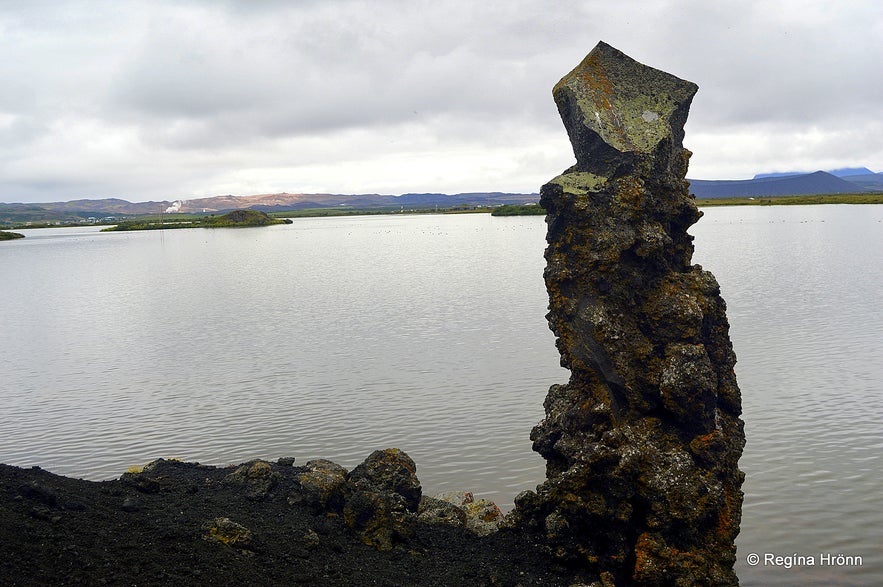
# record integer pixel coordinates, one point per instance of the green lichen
(579, 182)
(136, 469)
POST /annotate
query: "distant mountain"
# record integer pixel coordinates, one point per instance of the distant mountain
(819, 182)
(75, 210)
(844, 172)
(849, 180)
(82, 209)
(872, 182)
(286, 201)
(851, 171)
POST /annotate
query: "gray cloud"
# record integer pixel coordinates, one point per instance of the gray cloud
(150, 100)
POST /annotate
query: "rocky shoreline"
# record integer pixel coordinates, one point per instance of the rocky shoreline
(259, 523)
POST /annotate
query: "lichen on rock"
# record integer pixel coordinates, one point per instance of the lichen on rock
(382, 498)
(256, 477)
(480, 516)
(321, 485)
(642, 444)
(228, 532)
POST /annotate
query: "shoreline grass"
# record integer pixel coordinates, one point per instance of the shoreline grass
(797, 200)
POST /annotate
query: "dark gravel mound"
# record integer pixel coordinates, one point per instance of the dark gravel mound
(186, 524)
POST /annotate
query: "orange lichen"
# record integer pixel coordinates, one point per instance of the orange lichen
(725, 521)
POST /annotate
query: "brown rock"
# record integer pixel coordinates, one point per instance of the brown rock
(321, 485)
(381, 519)
(257, 478)
(390, 471)
(383, 495)
(228, 532)
(434, 510)
(480, 516)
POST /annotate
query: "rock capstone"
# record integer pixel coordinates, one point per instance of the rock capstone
(642, 444)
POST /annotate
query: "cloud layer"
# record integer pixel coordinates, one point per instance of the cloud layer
(168, 100)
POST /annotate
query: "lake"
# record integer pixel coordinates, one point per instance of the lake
(333, 337)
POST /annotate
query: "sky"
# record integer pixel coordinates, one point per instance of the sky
(166, 100)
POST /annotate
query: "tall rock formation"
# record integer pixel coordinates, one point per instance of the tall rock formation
(642, 444)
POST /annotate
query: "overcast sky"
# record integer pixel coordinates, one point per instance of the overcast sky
(160, 100)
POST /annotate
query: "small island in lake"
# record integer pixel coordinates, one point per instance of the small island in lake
(519, 210)
(234, 219)
(8, 236)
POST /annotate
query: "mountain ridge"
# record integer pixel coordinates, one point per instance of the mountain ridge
(818, 182)
(852, 180)
(266, 202)
(841, 172)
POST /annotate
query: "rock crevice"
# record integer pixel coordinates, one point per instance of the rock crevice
(642, 444)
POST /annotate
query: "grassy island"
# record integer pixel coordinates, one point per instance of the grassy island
(234, 219)
(519, 210)
(8, 236)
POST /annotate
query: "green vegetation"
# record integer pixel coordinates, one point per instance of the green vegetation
(8, 236)
(866, 198)
(348, 211)
(242, 218)
(519, 210)
(234, 219)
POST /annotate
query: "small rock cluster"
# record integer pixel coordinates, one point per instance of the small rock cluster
(460, 508)
(642, 444)
(381, 499)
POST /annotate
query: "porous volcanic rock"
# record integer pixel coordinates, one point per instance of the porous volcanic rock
(480, 516)
(642, 444)
(382, 498)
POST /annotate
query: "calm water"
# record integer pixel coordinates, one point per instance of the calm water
(333, 337)
(803, 288)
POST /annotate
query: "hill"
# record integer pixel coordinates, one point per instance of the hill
(839, 181)
(819, 182)
(286, 201)
(79, 210)
(868, 181)
(843, 172)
